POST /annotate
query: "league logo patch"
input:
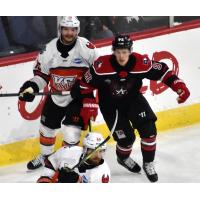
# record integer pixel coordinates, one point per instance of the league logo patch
(77, 61)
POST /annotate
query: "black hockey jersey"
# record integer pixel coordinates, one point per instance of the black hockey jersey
(120, 84)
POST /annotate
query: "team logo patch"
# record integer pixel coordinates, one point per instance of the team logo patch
(62, 83)
(120, 92)
(105, 179)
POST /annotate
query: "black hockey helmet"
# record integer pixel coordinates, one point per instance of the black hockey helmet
(122, 42)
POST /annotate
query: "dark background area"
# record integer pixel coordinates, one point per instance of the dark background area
(28, 34)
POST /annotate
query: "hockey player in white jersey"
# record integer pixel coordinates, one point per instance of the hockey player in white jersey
(63, 62)
(93, 170)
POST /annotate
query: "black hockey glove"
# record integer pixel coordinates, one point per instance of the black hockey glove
(67, 177)
(27, 90)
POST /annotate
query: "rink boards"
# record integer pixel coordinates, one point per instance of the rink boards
(26, 149)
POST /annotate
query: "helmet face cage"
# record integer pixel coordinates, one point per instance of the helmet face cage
(122, 42)
(69, 21)
(92, 140)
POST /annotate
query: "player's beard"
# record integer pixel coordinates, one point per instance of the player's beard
(94, 161)
(68, 39)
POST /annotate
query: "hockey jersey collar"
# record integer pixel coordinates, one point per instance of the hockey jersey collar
(64, 49)
(118, 68)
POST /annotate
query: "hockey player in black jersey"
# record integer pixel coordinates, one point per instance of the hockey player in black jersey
(118, 78)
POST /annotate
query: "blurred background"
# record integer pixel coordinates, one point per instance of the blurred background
(24, 34)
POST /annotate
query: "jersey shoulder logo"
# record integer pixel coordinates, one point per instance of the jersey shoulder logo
(157, 66)
(90, 45)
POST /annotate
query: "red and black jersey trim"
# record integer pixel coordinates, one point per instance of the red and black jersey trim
(108, 65)
(42, 75)
(71, 67)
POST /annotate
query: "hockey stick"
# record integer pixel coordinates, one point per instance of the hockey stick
(63, 93)
(97, 148)
(90, 126)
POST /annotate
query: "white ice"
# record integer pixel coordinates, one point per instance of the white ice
(177, 160)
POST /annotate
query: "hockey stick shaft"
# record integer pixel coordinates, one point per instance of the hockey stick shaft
(100, 145)
(63, 93)
(90, 126)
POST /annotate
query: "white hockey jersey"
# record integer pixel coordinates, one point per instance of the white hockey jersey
(61, 73)
(69, 157)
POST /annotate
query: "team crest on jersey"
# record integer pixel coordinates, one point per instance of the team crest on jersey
(105, 179)
(63, 82)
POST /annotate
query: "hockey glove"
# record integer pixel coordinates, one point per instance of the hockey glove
(68, 177)
(26, 92)
(89, 111)
(180, 88)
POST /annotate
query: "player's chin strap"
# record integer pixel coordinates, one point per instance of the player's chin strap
(62, 93)
(97, 148)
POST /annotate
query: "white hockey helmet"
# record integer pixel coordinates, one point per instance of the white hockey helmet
(92, 140)
(70, 21)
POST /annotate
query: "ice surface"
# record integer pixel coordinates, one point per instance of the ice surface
(177, 160)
